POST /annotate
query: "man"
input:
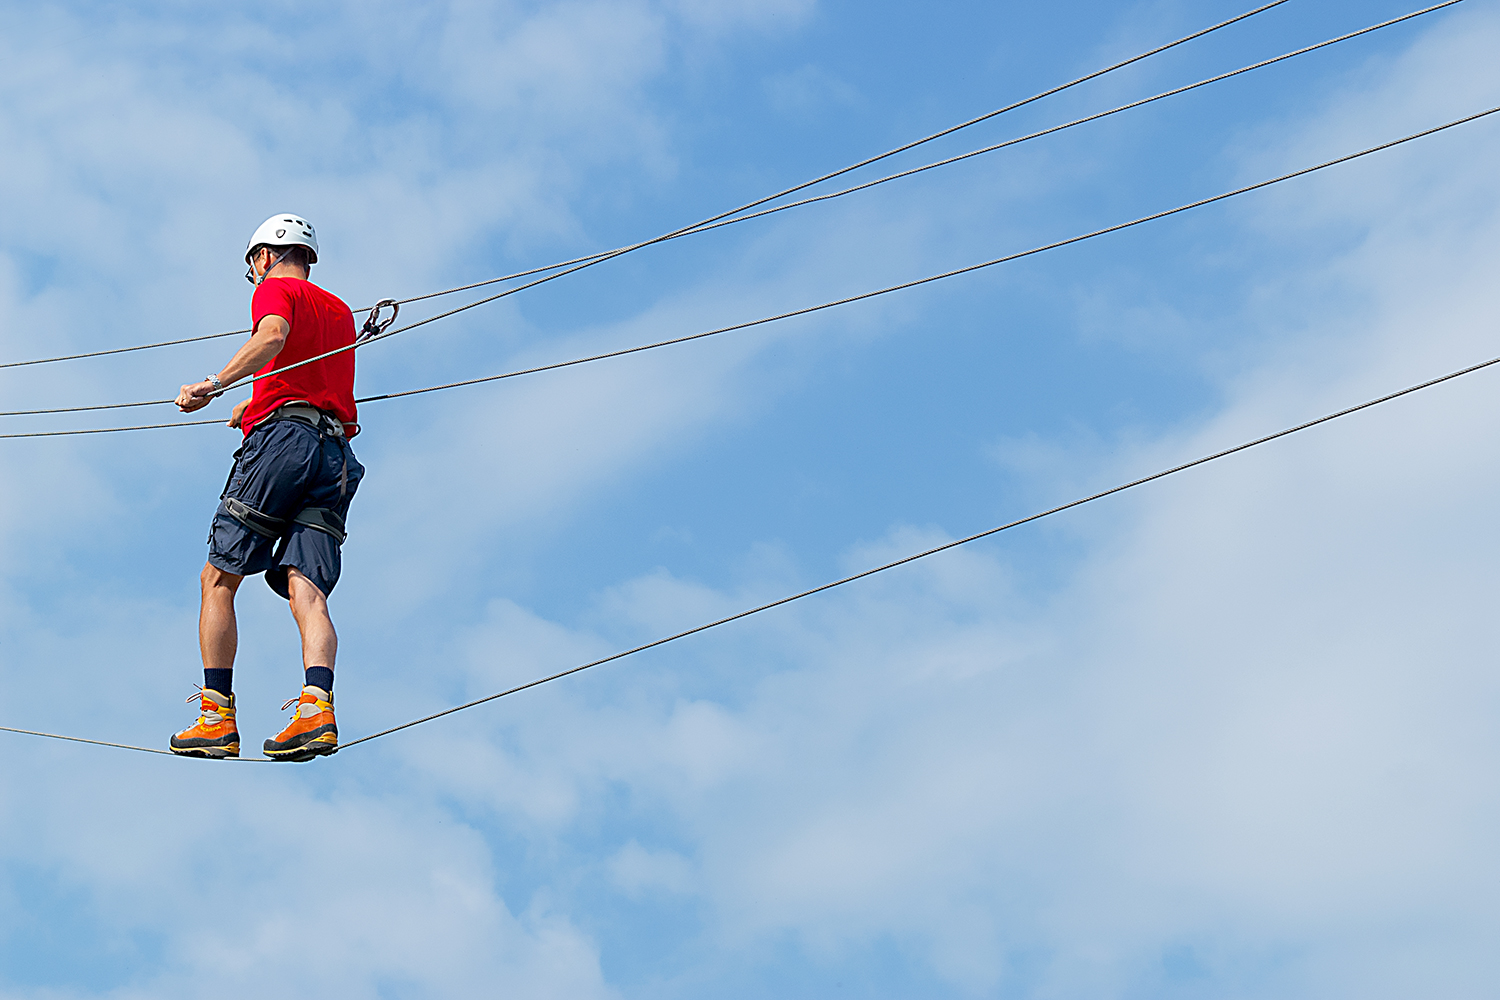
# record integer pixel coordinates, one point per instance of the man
(282, 511)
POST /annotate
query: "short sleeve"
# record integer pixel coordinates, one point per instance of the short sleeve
(272, 298)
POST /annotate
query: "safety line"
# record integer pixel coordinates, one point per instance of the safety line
(115, 430)
(837, 302)
(596, 258)
(845, 580)
(929, 552)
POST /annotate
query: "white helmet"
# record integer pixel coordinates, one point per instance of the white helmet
(284, 231)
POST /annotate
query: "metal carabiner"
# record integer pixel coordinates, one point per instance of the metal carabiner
(374, 325)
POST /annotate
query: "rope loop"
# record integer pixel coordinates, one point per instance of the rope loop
(374, 325)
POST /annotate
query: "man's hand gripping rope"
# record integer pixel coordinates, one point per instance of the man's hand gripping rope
(262, 347)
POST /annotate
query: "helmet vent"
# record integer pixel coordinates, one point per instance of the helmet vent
(285, 230)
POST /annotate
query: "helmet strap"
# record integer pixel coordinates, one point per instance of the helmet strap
(270, 267)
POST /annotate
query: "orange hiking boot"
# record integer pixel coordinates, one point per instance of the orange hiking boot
(312, 731)
(214, 734)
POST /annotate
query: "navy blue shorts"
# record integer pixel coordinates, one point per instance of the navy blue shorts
(284, 467)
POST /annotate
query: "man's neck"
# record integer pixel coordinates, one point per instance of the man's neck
(286, 271)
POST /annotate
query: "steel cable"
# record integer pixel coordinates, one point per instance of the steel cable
(591, 259)
(123, 350)
(1075, 122)
(857, 576)
(887, 566)
(837, 194)
(821, 306)
(853, 577)
(581, 263)
(929, 552)
(115, 430)
(131, 746)
(769, 198)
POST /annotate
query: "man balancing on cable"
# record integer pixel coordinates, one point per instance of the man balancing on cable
(282, 511)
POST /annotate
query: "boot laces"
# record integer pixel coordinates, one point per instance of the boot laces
(210, 717)
(297, 701)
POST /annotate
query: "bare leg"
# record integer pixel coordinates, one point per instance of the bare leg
(218, 634)
(320, 643)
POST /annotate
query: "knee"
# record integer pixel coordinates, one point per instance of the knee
(303, 594)
(213, 580)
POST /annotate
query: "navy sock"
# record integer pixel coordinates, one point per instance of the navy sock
(320, 677)
(219, 680)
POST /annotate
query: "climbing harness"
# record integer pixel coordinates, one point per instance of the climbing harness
(324, 519)
(328, 426)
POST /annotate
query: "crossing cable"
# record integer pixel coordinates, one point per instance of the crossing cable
(929, 552)
(808, 309)
(845, 580)
(122, 350)
(1075, 122)
(761, 201)
(596, 258)
(583, 262)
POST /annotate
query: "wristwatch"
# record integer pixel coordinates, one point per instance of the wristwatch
(218, 386)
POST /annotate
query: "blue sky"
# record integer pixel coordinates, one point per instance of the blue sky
(1231, 735)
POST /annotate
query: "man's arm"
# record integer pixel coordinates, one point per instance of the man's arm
(267, 341)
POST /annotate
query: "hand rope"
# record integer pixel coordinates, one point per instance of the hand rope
(793, 313)
(116, 430)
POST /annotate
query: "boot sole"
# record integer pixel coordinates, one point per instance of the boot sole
(207, 753)
(318, 746)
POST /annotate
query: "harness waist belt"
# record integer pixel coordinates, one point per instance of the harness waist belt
(324, 423)
(307, 414)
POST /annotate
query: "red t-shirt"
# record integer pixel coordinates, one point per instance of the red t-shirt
(320, 322)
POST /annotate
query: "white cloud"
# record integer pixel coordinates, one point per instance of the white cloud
(230, 871)
(1253, 733)
(761, 15)
(637, 870)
